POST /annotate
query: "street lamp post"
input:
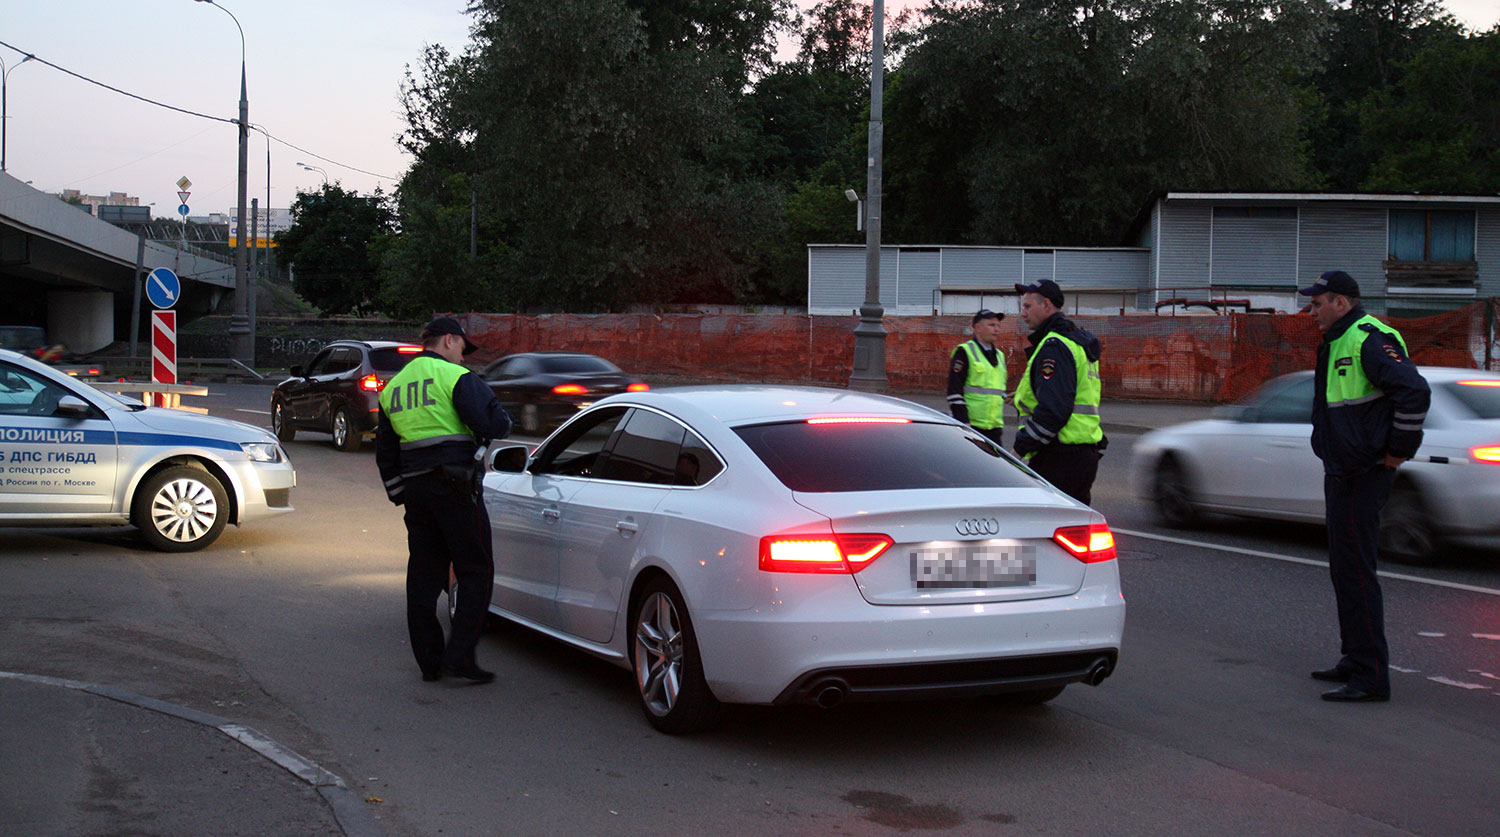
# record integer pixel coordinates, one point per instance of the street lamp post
(316, 169)
(242, 344)
(4, 108)
(869, 335)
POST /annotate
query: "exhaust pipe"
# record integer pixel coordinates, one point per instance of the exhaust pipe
(1097, 672)
(830, 693)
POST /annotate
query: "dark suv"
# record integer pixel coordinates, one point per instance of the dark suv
(339, 391)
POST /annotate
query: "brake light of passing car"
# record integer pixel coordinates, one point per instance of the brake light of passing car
(858, 420)
(1486, 453)
(408, 350)
(570, 389)
(371, 383)
(1487, 382)
(638, 388)
(813, 554)
(1090, 544)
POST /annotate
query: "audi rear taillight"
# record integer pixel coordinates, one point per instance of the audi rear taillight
(1090, 544)
(637, 388)
(818, 554)
(570, 389)
(371, 383)
(1486, 453)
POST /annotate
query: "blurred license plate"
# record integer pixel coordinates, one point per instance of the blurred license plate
(974, 566)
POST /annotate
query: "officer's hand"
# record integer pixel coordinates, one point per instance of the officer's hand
(1393, 462)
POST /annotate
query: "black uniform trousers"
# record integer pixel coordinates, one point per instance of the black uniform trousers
(445, 526)
(1353, 508)
(1072, 468)
(994, 434)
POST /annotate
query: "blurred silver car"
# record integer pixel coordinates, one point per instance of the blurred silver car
(72, 455)
(1255, 459)
(805, 546)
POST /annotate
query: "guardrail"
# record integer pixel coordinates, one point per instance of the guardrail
(170, 394)
(191, 367)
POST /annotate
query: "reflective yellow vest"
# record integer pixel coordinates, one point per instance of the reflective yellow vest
(1346, 382)
(419, 403)
(1082, 427)
(984, 388)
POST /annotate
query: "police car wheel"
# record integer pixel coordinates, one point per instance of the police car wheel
(531, 420)
(283, 429)
(345, 436)
(668, 669)
(1406, 534)
(1174, 499)
(180, 509)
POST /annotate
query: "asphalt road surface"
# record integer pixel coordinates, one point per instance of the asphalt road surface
(295, 627)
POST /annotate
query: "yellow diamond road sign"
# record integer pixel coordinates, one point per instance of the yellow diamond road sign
(184, 183)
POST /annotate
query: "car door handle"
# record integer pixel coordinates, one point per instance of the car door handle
(627, 527)
(552, 514)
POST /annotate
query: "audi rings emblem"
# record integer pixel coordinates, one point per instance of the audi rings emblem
(978, 526)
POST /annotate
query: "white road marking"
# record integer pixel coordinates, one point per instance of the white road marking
(1484, 674)
(1292, 559)
(257, 412)
(1485, 636)
(1459, 683)
(1430, 633)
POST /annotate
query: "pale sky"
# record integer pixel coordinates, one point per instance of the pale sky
(323, 75)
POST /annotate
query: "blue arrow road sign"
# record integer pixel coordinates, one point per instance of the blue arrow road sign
(182, 209)
(163, 287)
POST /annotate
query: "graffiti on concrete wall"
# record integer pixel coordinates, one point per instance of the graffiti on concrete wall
(295, 347)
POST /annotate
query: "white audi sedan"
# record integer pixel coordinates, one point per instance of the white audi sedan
(1255, 459)
(785, 546)
(73, 455)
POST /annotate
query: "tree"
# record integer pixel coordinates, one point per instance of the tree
(328, 246)
(1438, 128)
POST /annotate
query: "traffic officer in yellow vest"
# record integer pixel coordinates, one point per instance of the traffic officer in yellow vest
(1058, 395)
(435, 419)
(1368, 408)
(976, 378)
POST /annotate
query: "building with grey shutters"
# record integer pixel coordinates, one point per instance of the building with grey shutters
(1201, 252)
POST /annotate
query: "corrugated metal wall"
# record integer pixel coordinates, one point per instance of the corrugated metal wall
(1254, 250)
(1182, 257)
(920, 268)
(1487, 252)
(1101, 269)
(1347, 238)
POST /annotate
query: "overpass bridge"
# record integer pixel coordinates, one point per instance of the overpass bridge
(65, 270)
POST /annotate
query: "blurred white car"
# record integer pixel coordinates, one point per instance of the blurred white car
(1255, 459)
(72, 455)
(800, 546)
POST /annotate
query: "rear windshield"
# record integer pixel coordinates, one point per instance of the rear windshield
(880, 457)
(575, 363)
(1483, 400)
(389, 360)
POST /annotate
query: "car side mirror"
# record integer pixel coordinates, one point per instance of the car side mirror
(71, 406)
(297, 371)
(510, 459)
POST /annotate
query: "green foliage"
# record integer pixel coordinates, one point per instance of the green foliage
(328, 247)
(1439, 126)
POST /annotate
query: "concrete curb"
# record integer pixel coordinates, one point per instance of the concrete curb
(348, 809)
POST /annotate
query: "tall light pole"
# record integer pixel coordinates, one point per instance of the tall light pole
(242, 344)
(316, 169)
(869, 335)
(4, 109)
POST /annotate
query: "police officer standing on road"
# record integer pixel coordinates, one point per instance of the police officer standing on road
(976, 379)
(1368, 408)
(426, 448)
(1058, 395)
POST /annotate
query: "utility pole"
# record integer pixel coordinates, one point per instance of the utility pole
(869, 335)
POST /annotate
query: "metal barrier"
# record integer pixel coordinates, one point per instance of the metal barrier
(171, 394)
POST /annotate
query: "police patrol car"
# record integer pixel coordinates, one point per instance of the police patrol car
(72, 455)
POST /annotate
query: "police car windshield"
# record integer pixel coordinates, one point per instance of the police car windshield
(880, 457)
